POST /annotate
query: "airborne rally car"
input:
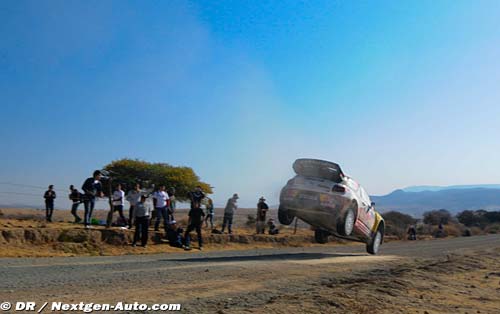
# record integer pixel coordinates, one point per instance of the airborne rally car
(333, 203)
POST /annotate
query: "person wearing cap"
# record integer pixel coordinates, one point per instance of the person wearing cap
(231, 206)
(262, 209)
(49, 196)
(196, 215)
(174, 234)
(142, 212)
(210, 212)
(196, 197)
(92, 188)
(118, 202)
(75, 197)
(133, 197)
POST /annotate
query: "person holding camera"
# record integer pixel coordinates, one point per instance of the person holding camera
(92, 188)
(50, 196)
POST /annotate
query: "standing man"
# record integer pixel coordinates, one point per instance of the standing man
(231, 206)
(161, 201)
(142, 212)
(210, 213)
(133, 197)
(195, 221)
(50, 196)
(92, 188)
(74, 196)
(262, 209)
(118, 202)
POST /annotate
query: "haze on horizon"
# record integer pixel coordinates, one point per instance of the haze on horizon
(398, 93)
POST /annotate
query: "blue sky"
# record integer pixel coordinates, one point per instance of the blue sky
(398, 92)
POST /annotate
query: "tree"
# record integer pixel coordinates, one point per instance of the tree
(435, 217)
(397, 223)
(128, 172)
(469, 218)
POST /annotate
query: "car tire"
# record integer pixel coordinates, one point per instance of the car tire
(345, 226)
(373, 246)
(285, 217)
(321, 236)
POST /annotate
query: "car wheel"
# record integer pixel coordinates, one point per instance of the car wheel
(284, 216)
(373, 246)
(321, 236)
(346, 225)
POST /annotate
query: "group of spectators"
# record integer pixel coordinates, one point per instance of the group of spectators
(164, 207)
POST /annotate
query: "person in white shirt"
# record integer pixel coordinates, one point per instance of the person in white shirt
(161, 202)
(142, 213)
(118, 199)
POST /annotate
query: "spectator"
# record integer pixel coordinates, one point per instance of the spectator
(195, 220)
(273, 230)
(196, 197)
(174, 234)
(92, 188)
(142, 212)
(210, 213)
(412, 233)
(161, 201)
(231, 206)
(118, 202)
(262, 209)
(75, 197)
(50, 196)
(173, 203)
(133, 197)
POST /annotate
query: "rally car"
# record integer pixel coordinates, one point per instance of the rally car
(332, 203)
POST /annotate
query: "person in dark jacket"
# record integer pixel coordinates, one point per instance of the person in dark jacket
(142, 212)
(50, 196)
(196, 215)
(262, 209)
(75, 198)
(174, 234)
(196, 197)
(92, 188)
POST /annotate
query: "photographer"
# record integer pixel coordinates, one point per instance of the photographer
(92, 188)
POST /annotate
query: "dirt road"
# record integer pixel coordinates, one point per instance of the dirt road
(327, 279)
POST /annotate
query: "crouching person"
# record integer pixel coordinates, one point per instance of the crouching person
(196, 215)
(174, 234)
(273, 230)
(142, 212)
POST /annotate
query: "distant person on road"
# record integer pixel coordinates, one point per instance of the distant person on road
(133, 197)
(75, 198)
(161, 202)
(196, 215)
(231, 207)
(262, 209)
(92, 188)
(142, 212)
(412, 233)
(210, 213)
(273, 230)
(118, 199)
(49, 196)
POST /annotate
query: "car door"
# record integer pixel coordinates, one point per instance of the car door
(366, 212)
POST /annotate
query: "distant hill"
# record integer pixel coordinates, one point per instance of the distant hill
(452, 199)
(421, 188)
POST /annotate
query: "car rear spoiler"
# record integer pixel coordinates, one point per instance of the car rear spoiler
(319, 169)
